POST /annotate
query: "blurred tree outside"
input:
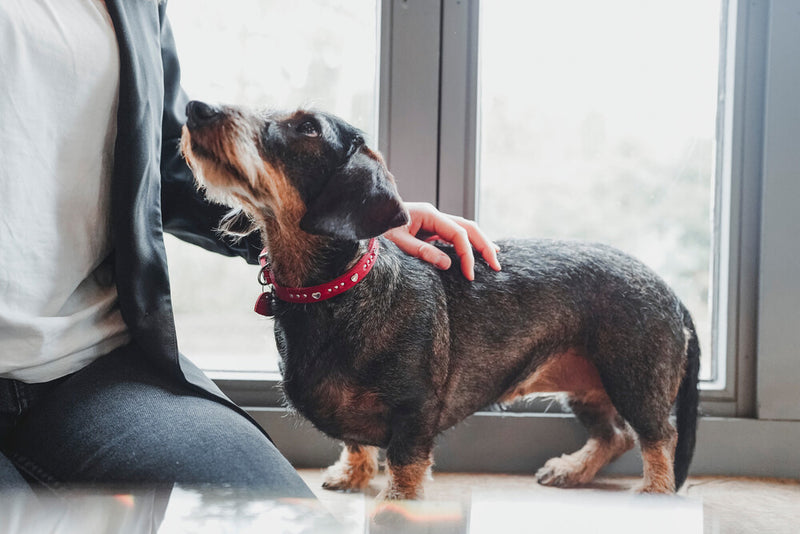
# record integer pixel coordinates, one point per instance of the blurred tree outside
(598, 123)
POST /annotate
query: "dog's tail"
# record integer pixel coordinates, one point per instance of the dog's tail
(687, 404)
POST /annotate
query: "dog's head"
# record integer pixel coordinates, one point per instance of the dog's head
(308, 165)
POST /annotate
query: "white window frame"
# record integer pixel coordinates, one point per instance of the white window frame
(428, 132)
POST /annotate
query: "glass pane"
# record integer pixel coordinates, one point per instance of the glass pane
(598, 122)
(266, 54)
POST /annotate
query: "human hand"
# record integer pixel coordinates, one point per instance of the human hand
(462, 233)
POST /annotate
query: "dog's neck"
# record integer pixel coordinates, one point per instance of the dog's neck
(301, 259)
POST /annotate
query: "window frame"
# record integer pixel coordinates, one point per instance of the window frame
(455, 172)
(428, 132)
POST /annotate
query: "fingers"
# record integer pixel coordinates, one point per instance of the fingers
(460, 241)
(417, 248)
(433, 255)
(463, 234)
(480, 242)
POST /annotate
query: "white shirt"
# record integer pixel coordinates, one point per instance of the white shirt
(59, 79)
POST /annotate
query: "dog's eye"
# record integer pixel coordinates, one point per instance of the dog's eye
(309, 129)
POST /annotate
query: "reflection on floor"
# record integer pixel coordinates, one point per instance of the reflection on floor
(729, 505)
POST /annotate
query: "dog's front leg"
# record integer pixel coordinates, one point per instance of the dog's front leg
(405, 480)
(407, 466)
(355, 468)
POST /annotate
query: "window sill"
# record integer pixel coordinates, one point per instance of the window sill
(522, 442)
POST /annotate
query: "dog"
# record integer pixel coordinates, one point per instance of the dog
(395, 351)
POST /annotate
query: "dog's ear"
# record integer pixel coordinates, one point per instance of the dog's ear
(359, 201)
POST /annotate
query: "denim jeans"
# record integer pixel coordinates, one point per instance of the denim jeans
(119, 422)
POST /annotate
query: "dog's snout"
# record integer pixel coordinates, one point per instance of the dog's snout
(199, 113)
(400, 219)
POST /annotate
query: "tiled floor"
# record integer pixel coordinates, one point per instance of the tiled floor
(729, 505)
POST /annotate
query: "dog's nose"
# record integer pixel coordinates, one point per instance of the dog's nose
(199, 113)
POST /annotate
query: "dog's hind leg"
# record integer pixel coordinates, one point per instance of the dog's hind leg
(609, 437)
(357, 465)
(658, 457)
(644, 399)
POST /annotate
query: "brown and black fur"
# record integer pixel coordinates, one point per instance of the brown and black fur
(412, 350)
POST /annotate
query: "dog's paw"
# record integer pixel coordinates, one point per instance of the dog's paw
(655, 487)
(344, 478)
(562, 472)
(344, 484)
(354, 470)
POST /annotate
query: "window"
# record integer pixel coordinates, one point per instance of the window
(602, 127)
(654, 122)
(264, 54)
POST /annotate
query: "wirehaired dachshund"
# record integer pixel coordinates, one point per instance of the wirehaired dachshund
(406, 350)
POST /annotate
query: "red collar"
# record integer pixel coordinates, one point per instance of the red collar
(305, 295)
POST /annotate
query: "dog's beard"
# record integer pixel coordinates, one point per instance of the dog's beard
(216, 175)
(220, 195)
(237, 224)
(213, 181)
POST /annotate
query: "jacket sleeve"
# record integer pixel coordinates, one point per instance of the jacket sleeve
(185, 212)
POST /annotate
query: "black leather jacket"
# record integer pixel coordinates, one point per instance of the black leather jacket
(152, 189)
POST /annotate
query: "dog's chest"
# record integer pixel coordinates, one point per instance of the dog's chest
(342, 410)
